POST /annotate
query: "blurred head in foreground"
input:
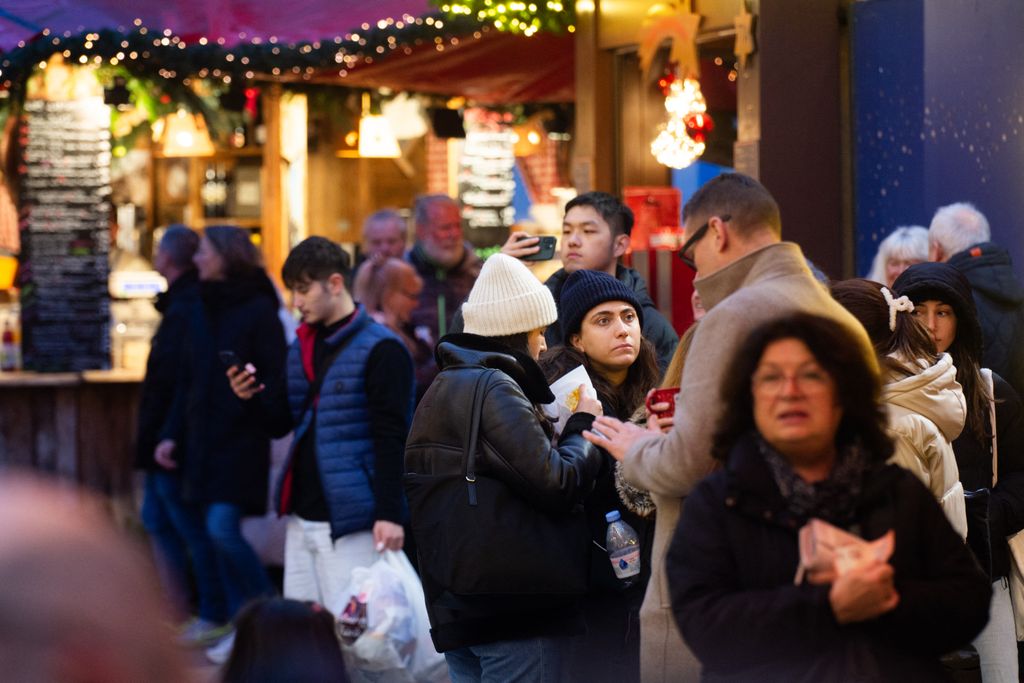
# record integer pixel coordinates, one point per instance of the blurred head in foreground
(77, 602)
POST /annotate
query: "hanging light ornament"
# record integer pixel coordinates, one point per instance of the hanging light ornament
(674, 147)
(680, 140)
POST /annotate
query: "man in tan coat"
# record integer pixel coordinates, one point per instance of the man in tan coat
(746, 276)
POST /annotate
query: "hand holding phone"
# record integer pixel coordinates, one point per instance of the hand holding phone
(662, 396)
(230, 359)
(527, 247)
(545, 250)
(241, 376)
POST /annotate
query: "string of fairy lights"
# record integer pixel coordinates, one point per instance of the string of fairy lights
(157, 54)
(516, 16)
(162, 55)
(174, 63)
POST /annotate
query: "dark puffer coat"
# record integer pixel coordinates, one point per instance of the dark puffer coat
(734, 556)
(999, 297)
(974, 460)
(515, 449)
(226, 454)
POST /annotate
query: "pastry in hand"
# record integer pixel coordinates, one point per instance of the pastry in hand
(572, 399)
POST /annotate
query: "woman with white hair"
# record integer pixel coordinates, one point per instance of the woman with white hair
(903, 248)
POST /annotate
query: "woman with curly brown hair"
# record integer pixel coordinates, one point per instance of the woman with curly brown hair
(803, 438)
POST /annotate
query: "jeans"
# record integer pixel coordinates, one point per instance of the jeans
(319, 569)
(241, 571)
(180, 542)
(997, 642)
(535, 660)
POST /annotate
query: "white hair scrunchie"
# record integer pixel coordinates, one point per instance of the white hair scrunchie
(900, 305)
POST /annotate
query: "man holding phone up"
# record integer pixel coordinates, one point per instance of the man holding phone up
(595, 233)
(349, 400)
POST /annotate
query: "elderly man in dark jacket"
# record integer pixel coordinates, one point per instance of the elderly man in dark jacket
(959, 234)
(176, 528)
(448, 266)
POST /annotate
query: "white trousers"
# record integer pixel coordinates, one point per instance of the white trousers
(997, 642)
(318, 569)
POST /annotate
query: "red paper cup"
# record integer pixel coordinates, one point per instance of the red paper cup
(663, 396)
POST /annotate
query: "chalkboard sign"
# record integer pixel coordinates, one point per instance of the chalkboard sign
(65, 235)
(487, 185)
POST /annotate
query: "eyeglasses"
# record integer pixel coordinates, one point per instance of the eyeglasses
(807, 381)
(685, 252)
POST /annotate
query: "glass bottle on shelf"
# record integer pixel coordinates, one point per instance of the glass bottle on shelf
(238, 137)
(222, 191)
(208, 193)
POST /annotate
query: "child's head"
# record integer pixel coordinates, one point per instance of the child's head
(284, 640)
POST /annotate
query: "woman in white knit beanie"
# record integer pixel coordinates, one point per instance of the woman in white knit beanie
(501, 579)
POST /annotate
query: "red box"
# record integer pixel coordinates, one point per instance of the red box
(656, 211)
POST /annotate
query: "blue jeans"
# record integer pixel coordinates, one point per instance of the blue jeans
(180, 542)
(535, 660)
(241, 570)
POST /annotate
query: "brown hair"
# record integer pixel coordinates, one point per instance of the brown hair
(673, 376)
(375, 278)
(909, 342)
(837, 351)
(241, 257)
(621, 401)
(747, 202)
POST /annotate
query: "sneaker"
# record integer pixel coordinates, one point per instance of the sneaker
(219, 653)
(202, 632)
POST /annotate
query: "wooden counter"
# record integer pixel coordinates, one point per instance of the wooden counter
(80, 426)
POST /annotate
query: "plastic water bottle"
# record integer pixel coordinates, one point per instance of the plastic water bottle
(623, 547)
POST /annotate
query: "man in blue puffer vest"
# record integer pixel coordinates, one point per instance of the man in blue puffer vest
(349, 400)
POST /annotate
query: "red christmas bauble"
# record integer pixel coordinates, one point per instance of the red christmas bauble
(666, 81)
(699, 125)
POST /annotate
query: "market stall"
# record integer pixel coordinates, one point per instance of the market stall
(118, 125)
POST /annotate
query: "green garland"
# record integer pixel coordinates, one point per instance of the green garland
(515, 16)
(161, 57)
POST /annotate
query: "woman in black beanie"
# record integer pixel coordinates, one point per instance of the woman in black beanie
(601, 322)
(943, 301)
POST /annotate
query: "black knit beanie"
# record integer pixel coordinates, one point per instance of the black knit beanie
(585, 289)
(942, 282)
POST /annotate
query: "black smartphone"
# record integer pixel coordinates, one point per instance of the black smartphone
(230, 359)
(547, 249)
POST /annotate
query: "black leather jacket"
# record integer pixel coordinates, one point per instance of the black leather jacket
(515, 448)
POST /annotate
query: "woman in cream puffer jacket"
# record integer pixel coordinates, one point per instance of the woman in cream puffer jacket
(926, 412)
(925, 403)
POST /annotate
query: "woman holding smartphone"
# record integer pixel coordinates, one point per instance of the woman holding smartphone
(601, 322)
(220, 447)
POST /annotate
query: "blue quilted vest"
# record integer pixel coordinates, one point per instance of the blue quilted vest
(344, 446)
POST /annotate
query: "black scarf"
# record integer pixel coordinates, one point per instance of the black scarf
(833, 499)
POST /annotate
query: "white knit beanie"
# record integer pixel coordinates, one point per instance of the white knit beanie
(507, 299)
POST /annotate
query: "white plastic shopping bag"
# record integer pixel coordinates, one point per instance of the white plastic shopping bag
(382, 622)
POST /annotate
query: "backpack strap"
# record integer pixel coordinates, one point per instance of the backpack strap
(986, 374)
(469, 447)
